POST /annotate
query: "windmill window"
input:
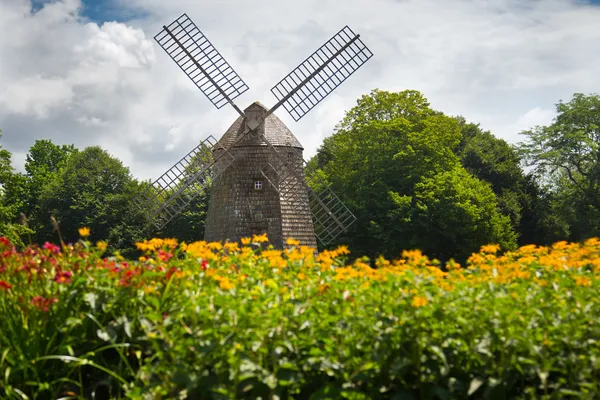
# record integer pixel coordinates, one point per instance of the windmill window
(290, 157)
(258, 185)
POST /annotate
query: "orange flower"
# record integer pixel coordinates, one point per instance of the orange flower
(419, 301)
(226, 284)
(84, 232)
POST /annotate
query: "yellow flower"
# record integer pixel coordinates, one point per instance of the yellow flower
(84, 232)
(292, 242)
(170, 242)
(342, 250)
(226, 284)
(142, 258)
(419, 301)
(149, 289)
(245, 241)
(583, 281)
(214, 246)
(101, 245)
(231, 246)
(260, 238)
(490, 248)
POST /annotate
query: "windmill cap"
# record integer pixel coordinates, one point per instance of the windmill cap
(275, 130)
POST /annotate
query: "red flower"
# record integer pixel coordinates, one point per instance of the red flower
(5, 285)
(170, 272)
(43, 303)
(204, 265)
(63, 277)
(52, 247)
(164, 256)
(4, 242)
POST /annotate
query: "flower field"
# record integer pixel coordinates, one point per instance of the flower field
(212, 321)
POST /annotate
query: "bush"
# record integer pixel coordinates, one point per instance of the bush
(212, 321)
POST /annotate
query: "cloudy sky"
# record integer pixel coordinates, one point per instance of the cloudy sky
(88, 72)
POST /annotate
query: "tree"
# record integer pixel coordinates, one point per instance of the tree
(188, 225)
(519, 196)
(453, 214)
(11, 187)
(384, 156)
(43, 163)
(566, 155)
(93, 190)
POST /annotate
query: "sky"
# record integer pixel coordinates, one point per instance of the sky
(88, 72)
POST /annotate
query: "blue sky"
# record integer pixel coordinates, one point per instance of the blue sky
(100, 11)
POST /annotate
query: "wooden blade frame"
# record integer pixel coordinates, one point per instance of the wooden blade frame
(168, 195)
(201, 62)
(323, 71)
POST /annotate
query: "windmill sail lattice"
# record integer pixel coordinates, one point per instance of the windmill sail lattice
(251, 149)
(200, 61)
(323, 71)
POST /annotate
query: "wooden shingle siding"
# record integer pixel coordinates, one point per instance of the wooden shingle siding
(280, 209)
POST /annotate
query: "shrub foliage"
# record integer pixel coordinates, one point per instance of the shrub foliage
(212, 321)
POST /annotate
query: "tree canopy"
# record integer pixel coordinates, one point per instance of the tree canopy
(566, 156)
(393, 159)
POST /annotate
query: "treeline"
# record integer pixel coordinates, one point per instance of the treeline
(414, 178)
(64, 188)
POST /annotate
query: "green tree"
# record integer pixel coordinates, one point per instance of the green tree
(189, 224)
(453, 214)
(566, 155)
(382, 160)
(43, 164)
(94, 190)
(11, 190)
(519, 196)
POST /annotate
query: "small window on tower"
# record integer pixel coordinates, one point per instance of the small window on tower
(258, 185)
(290, 157)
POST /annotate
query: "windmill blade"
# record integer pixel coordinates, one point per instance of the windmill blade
(201, 62)
(330, 215)
(183, 182)
(323, 71)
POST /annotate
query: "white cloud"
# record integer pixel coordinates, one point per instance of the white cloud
(35, 95)
(504, 63)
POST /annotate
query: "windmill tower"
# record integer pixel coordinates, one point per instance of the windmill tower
(256, 171)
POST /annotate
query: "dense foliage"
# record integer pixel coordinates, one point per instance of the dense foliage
(566, 154)
(394, 159)
(207, 320)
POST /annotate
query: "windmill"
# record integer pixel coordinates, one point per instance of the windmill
(256, 171)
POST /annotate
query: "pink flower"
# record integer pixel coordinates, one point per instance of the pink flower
(52, 247)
